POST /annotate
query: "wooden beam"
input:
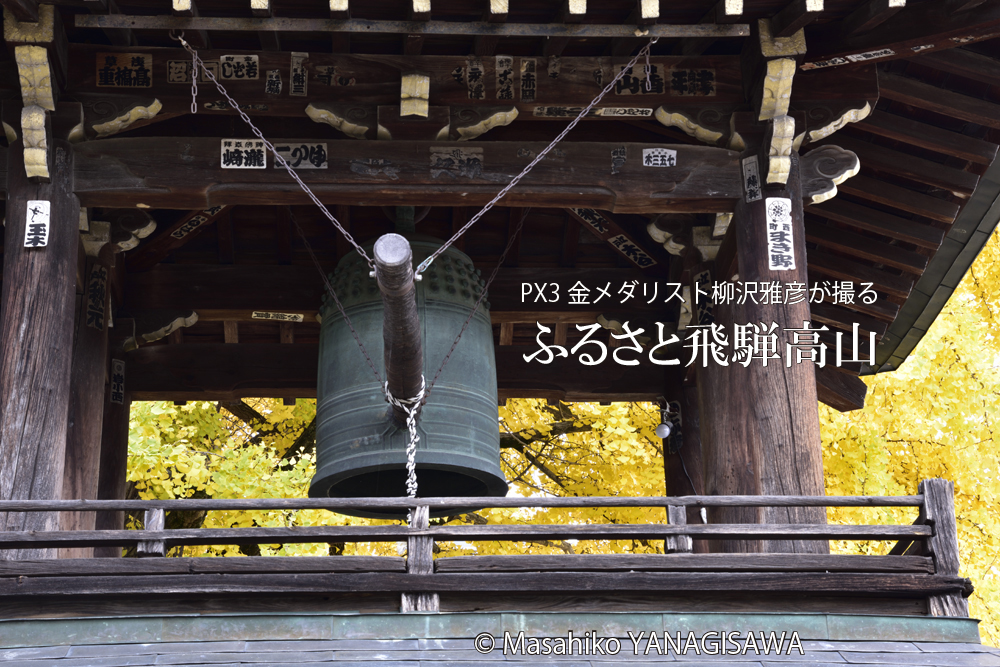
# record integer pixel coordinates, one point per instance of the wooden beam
(496, 12)
(931, 137)
(926, 96)
(724, 11)
(152, 172)
(340, 10)
(841, 391)
(668, 562)
(957, 6)
(870, 15)
(880, 158)
(575, 84)
(112, 480)
(86, 407)
(117, 36)
(298, 289)
(796, 15)
(872, 189)
(189, 9)
(926, 27)
(23, 10)
(196, 371)
(841, 268)
(964, 63)
(36, 336)
(407, 27)
(865, 247)
(616, 583)
(171, 237)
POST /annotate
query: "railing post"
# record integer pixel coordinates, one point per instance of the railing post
(153, 520)
(939, 511)
(677, 516)
(420, 560)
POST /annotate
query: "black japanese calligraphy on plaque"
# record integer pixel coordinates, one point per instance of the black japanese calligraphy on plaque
(780, 244)
(272, 85)
(529, 79)
(627, 247)
(475, 79)
(505, 78)
(618, 157)
(302, 156)
(456, 162)
(243, 154)
(751, 179)
(705, 314)
(36, 223)
(239, 68)
(97, 296)
(124, 70)
(179, 71)
(592, 218)
(195, 222)
(692, 82)
(633, 82)
(659, 157)
(299, 86)
(117, 381)
(281, 317)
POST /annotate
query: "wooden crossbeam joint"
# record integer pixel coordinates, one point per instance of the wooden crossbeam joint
(795, 16)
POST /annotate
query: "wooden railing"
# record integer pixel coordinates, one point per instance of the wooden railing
(923, 563)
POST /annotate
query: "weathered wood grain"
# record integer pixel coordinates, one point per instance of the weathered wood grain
(112, 480)
(959, 182)
(760, 427)
(163, 172)
(939, 511)
(926, 96)
(313, 534)
(839, 390)
(36, 339)
(83, 567)
(686, 563)
(844, 583)
(86, 407)
(930, 25)
(873, 220)
(928, 136)
(381, 503)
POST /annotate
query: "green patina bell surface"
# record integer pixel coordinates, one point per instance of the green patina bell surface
(360, 452)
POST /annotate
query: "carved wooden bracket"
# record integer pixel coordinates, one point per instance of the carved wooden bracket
(154, 325)
(355, 122)
(823, 169)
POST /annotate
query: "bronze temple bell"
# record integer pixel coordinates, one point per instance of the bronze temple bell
(360, 442)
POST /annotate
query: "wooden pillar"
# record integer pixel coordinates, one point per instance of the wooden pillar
(86, 407)
(112, 482)
(36, 340)
(760, 431)
(682, 467)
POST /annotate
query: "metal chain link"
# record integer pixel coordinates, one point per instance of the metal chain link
(246, 119)
(482, 296)
(538, 158)
(331, 292)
